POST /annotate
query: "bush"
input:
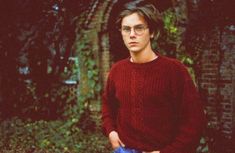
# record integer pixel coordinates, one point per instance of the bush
(50, 137)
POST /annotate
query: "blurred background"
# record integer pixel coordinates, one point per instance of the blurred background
(55, 56)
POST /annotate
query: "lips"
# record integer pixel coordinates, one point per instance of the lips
(133, 43)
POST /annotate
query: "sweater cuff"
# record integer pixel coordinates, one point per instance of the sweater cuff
(108, 130)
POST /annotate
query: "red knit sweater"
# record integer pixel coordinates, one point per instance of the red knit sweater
(153, 106)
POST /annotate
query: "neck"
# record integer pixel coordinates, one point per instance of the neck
(143, 57)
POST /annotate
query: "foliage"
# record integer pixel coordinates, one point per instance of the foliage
(170, 41)
(213, 141)
(50, 137)
(169, 36)
(90, 87)
(170, 19)
(39, 80)
(36, 57)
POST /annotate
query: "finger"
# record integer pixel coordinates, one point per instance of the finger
(121, 143)
(115, 145)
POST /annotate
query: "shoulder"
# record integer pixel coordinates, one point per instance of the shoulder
(119, 65)
(173, 63)
(175, 67)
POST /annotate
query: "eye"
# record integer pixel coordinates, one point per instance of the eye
(126, 29)
(139, 28)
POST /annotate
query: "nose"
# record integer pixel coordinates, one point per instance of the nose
(132, 34)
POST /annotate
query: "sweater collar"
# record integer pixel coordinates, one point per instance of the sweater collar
(146, 64)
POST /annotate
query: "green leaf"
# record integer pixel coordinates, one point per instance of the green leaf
(202, 141)
(90, 74)
(205, 149)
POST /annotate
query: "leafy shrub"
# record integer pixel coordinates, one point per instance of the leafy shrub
(50, 137)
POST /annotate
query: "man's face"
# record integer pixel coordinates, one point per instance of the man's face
(135, 33)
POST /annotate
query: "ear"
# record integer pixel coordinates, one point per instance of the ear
(152, 35)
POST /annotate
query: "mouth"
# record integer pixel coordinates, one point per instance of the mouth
(133, 43)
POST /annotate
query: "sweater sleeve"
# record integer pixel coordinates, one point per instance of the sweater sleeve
(109, 107)
(191, 118)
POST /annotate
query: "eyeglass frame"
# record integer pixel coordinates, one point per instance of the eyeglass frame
(128, 31)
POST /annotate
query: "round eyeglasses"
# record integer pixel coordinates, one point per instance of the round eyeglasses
(138, 29)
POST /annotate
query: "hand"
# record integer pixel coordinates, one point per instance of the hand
(151, 152)
(115, 140)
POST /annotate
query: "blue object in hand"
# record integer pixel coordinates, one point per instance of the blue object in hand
(125, 150)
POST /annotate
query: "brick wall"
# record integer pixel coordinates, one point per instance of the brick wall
(227, 79)
(91, 23)
(105, 57)
(216, 78)
(209, 76)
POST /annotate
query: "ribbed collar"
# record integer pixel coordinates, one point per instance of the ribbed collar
(146, 64)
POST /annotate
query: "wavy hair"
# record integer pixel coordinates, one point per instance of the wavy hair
(151, 15)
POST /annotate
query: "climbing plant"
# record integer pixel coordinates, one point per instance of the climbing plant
(171, 43)
(89, 87)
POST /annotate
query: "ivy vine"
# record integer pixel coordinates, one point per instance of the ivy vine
(89, 86)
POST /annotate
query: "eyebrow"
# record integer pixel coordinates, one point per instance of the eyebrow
(134, 25)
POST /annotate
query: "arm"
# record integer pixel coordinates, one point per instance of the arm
(191, 118)
(109, 114)
(109, 107)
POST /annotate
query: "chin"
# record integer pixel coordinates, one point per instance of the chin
(134, 50)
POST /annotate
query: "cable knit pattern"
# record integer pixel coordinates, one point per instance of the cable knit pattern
(153, 106)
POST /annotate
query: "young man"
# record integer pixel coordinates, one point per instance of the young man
(150, 103)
